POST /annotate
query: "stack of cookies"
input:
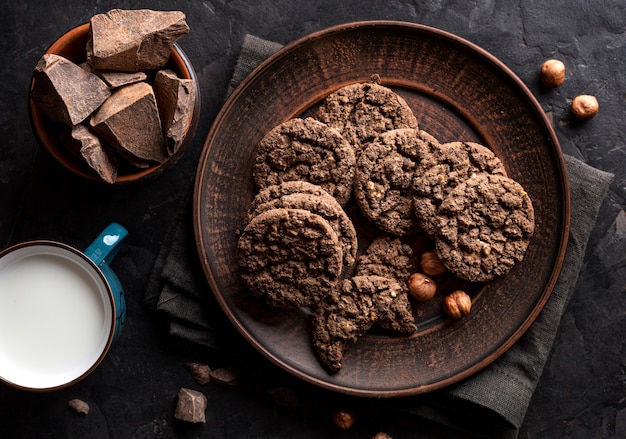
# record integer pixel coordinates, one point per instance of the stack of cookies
(299, 247)
(296, 244)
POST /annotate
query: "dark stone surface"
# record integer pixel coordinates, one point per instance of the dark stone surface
(582, 393)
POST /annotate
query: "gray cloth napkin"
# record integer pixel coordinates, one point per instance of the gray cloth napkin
(491, 403)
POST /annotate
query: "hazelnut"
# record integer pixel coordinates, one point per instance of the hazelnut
(552, 73)
(457, 304)
(430, 264)
(585, 107)
(421, 287)
(381, 435)
(343, 418)
(79, 406)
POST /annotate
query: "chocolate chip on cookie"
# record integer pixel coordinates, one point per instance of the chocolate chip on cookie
(308, 150)
(385, 176)
(450, 164)
(351, 309)
(360, 112)
(485, 225)
(289, 257)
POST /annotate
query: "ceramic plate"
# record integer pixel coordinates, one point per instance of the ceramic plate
(457, 91)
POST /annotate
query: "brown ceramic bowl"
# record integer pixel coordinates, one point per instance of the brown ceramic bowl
(72, 45)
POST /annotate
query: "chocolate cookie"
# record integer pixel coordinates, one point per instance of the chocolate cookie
(326, 207)
(351, 309)
(308, 150)
(485, 227)
(449, 165)
(287, 188)
(289, 257)
(388, 257)
(385, 174)
(360, 112)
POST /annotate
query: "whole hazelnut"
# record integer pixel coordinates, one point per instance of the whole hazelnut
(343, 418)
(421, 287)
(552, 73)
(79, 406)
(585, 107)
(430, 264)
(457, 304)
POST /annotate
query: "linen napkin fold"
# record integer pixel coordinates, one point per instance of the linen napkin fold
(491, 403)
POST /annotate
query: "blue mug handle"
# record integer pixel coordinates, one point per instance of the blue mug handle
(102, 251)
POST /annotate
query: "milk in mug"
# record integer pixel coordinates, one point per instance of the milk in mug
(60, 310)
(54, 322)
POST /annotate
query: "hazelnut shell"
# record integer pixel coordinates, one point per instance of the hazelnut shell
(421, 287)
(457, 304)
(552, 73)
(430, 264)
(343, 418)
(585, 107)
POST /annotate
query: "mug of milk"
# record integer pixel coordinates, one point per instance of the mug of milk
(60, 310)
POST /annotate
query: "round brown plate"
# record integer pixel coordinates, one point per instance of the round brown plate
(458, 92)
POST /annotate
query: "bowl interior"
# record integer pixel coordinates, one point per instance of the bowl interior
(72, 45)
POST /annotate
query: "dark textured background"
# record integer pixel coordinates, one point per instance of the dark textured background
(582, 393)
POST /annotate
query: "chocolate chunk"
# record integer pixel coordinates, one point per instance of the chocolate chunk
(175, 98)
(66, 92)
(201, 372)
(133, 40)
(119, 79)
(225, 376)
(85, 144)
(129, 120)
(191, 406)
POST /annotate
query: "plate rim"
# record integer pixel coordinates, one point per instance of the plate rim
(499, 350)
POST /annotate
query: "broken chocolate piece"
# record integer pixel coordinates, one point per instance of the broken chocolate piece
(191, 406)
(129, 121)
(133, 40)
(119, 79)
(86, 67)
(175, 98)
(66, 92)
(225, 376)
(82, 142)
(200, 372)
